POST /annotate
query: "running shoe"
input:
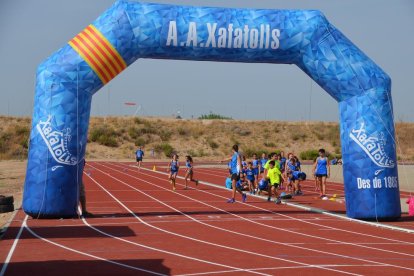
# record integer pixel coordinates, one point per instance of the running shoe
(300, 193)
(196, 182)
(278, 201)
(325, 197)
(268, 198)
(244, 197)
(231, 200)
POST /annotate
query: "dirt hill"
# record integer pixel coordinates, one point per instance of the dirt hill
(118, 137)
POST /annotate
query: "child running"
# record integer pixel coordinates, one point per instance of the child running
(173, 170)
(189, 172)
(235, 166)
(139, 155)
(273, 175)
(322, 171)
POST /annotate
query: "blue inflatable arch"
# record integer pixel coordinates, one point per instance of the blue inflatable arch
(130, 30)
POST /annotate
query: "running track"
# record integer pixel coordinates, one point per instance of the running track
(141, 227)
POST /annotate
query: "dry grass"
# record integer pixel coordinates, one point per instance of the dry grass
(118, 137)
(12, 175)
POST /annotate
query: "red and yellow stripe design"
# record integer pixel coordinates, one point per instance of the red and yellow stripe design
(99, 53)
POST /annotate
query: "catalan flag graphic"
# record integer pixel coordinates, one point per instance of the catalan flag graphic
(99, 53)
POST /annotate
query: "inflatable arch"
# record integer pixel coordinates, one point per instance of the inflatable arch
(130, 30)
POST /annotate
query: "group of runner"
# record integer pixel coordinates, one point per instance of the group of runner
(271, 173)
(173, 168)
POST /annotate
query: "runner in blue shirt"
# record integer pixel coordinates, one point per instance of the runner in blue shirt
(189, 171)
(235, 162)
(322, 171)
(173, 170)
(282, 168)
(263, 162)
(256, 164)
(139, 154)
(244, 164)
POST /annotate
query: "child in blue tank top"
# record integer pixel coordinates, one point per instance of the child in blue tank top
(250, 177)
(189, 171)
(255, 164)
(322, 172)
(262, 162)
(173, 170)
(235, 171)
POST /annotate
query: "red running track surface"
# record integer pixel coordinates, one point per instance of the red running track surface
(142, 227)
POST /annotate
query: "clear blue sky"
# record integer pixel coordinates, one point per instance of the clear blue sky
(32, 30)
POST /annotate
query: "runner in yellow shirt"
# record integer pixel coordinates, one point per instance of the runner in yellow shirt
(273, 175)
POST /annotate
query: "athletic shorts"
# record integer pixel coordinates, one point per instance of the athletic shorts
(275, 184)
(256, 171)
(239, 185)
(261, 170)
(235, 176)
(173, 172)
(139, 159)
(251, 179)
(321, 175)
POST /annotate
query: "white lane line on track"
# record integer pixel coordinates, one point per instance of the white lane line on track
(13, 248)
(275, 268)
(226, 230)
(345, 256)
(313, 210)
(289, 204)
(87, 254)
(160, 229)
(312, 223)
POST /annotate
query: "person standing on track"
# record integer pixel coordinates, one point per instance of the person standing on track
(189, 171)
(273, 175)
(235, 167)
(322, 171)
(251, 179)
(255, 163)
(282, 168)
(139, 155)
(262, 163)
(173, 170)
(273, 157)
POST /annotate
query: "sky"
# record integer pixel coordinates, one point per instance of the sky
(31, 30)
